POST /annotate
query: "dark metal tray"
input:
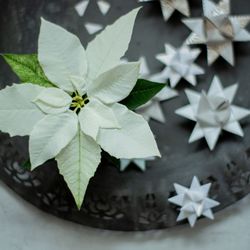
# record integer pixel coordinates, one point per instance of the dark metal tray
(131, 200)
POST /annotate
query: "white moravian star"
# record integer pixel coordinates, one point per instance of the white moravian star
(73, 121)
(140, 163)
(218, 30)
(169, 6)
(194, 201)
(153, 109)
(179, 65)
(213, 112)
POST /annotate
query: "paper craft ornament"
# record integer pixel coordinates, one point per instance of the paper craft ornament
(93, 28)
(152, 109)
(213, 112)
(179, 64)
(218, 30)
(169, 6)
(81, 7)
(73, 110)
(194, 201)
(140, 163)
(103, 6)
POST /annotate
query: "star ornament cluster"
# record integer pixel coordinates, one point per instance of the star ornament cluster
(139, 163)
(194, 201)
(179, 65)
(213, 112)
(168, 7)
(218, 30)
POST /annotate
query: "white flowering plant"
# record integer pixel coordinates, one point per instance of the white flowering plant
(74, 102)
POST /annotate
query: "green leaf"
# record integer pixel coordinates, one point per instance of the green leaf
(143, 92)
(27, 68)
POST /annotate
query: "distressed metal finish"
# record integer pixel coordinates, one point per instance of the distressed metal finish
(131, 200)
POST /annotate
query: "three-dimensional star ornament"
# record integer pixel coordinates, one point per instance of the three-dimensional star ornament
(179, 64)
(213, 112)
(152, 109)
(218, 30)
(194, 201)
(140, 163)
(169, 6)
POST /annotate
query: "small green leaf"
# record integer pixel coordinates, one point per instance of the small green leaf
(27, 68)
(142, 93)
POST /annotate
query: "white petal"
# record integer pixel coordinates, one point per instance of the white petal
(96, 115)
(53, 101)
(61, 55)
(77, 163)
(105, 51)
(50, 136)
(115, 84)
(133, 140)
(18, 114)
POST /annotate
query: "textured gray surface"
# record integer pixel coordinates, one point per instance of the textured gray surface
(25, 228)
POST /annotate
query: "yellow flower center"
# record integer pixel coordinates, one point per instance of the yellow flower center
(78, 102)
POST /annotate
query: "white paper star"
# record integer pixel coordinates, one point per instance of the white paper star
(103, 6)
(93, 28)
(152, 109)
(213, 112)
(179, 64)
(140, 163)
(218, 30)
(81, 7)
(169, 6)
(194, 201)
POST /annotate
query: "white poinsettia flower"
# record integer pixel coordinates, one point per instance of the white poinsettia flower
(72, 122)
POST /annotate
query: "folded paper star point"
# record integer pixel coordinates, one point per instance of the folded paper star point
(213, 112)
(218, 30)
(139, 163)
(179, 65)
(168, 7)
(194, 201)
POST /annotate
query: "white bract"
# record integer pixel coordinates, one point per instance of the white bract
(218, 30)
(74, 121)
(194, 201)
(213, 112)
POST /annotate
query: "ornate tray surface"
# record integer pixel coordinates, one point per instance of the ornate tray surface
(131, 200)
